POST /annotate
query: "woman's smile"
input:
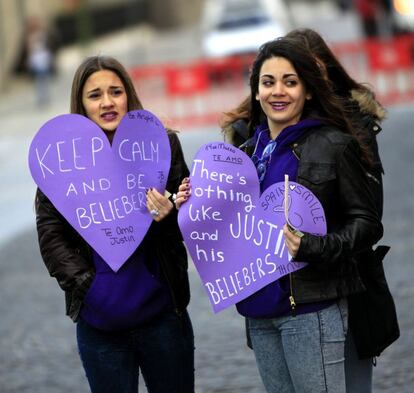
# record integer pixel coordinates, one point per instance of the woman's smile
(281, 94)
(279, 106)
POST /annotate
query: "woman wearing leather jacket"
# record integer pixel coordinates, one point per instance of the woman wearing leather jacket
(365, 114)
(297, 126)
(134, 319)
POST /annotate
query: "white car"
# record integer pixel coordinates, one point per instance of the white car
(403, 14)
(241, 28)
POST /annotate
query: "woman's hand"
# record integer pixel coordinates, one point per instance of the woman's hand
(184, 192)
(292, 241)
(158, 205)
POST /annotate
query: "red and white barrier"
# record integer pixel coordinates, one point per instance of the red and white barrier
(197, 93)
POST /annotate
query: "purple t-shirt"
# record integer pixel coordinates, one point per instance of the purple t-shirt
(129, 297)
(273, 299)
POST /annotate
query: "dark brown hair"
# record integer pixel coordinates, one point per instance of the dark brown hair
(241, 112)
(323, 105)
(97, 63)
(342, 81)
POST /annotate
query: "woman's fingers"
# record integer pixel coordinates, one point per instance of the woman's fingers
(158, 205)
(184, 192)
(292, 241)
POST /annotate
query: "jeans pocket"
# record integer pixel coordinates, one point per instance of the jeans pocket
(334, 323)
(259, 326)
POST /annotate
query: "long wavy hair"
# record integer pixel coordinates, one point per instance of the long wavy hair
(98, 63)
(342, 83)
(324, 104)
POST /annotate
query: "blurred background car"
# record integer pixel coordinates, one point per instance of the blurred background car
(403, 15)
(240, 27)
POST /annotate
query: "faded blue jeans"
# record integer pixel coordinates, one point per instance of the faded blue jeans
(163, 350)
(302, 354)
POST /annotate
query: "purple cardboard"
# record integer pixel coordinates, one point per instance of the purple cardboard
(99, 189)
(234, 235)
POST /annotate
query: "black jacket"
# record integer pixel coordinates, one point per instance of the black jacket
(330, 166)
(366, 114)
(68, 257)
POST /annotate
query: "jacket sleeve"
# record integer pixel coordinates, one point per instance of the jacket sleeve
(60, 248)
(359, 226)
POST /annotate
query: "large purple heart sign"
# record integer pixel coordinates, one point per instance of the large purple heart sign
(234, 234)
(99, 188)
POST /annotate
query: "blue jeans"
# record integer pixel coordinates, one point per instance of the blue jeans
(358, 372)
(304, 353)
(163, 350)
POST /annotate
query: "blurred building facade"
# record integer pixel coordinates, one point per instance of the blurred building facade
(9, 35)
(77, 20)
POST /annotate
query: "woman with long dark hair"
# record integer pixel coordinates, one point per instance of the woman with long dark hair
(366, 338)
(297, 126)
(134, 319)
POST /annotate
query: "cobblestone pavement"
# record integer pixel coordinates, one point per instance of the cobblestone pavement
(395, 370)
(38, 351)
(37, 342)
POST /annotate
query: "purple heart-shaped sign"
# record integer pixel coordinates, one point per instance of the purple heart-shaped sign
(99, 188)
(234, 234)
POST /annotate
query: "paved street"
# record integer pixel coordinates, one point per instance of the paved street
(38, 351)
(395, 370)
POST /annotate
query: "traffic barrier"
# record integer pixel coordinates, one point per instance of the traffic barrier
(387, 65)
(198, 93)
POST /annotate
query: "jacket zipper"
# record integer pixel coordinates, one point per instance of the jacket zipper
(291, 298)
(373, 178)
(294, 151)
